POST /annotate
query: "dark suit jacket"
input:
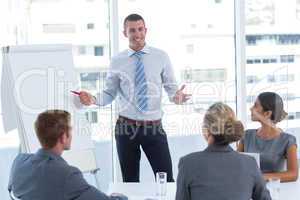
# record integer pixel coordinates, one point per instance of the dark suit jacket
(46, 176)
(218, 173)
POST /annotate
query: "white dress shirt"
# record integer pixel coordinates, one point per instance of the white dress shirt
(120, 83)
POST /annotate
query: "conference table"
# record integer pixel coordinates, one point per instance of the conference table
(147, 191)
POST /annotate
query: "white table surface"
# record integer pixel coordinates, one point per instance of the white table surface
(290, 191)
(143, 191)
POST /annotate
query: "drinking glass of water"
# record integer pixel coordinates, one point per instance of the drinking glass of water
(274, 187)
(161, 184)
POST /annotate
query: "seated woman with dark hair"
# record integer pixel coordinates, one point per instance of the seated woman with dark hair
(273, 144)
(219, 172)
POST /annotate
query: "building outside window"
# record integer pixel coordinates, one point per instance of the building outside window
(287, 58)
(202, 75)
(81, 50)
(98, 51)
(252, 79)
(265, 44)
(59, 28)
(92, 117)
(90, 26)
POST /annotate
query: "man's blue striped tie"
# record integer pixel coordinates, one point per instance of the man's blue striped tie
(140, 83)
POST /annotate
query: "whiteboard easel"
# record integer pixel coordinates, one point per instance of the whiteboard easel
(36, 78)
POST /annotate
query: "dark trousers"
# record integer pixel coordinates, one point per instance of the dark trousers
(152, 139)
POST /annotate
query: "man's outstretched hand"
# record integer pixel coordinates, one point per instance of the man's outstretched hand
(86, 98)
(180, 97)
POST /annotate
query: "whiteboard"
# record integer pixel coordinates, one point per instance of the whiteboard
(36, 78)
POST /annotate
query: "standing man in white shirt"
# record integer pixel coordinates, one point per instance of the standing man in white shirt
(135, 79)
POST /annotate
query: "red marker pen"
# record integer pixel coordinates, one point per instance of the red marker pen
(74, 92)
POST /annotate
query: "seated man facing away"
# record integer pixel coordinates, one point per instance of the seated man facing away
(45, 175)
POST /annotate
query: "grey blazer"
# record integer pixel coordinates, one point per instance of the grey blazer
(217, 173)
(46, 176)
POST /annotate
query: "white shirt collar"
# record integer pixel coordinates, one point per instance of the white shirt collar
(145, 49)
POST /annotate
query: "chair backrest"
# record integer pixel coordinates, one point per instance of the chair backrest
(283, 165)
(12, 196)
(255, 156)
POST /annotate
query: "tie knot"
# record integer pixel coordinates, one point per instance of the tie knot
(138, 54)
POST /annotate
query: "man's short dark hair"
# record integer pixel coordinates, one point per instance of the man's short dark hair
(133, 18)
(51, 125)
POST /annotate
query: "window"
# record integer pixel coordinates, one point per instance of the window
(200, 75)
(287, 58)
(190, 48)
(252, 79)
(263, 60)
(291, 96)
(249, 61)
(92, 116)
(276, 51)
(291, 58)
(90, 26)
(266, 61)
(93, 81)
(260, 13)
(271, 78)
(89, 81)
(98, 51)
(251, 40)
(273, 39)
(59, 28)
(291, 116)
(286, 77)
(251, 99)
(256, 61)
(81, 50)
(298, 9)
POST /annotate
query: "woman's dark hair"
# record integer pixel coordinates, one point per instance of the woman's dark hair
(271, 101)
